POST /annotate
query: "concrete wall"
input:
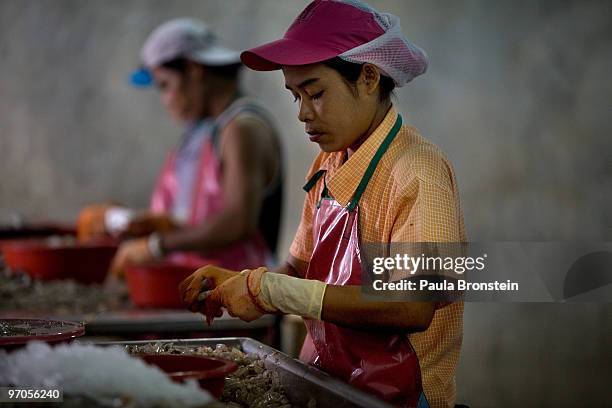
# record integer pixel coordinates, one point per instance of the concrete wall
(518, 95)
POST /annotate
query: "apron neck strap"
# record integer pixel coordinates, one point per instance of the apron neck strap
(369, 171)
(313, 180)
(375, 160)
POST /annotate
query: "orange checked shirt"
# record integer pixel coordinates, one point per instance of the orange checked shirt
(411, 197)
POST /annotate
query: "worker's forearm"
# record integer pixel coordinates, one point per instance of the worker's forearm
(285, 269)
(224, 229)
(344, 306)
(292, 267)
(341, 305)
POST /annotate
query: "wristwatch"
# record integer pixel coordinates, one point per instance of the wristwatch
(154, 243)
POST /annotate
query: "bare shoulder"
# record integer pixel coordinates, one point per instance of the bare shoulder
(251, 141)
(247, 129)
(251, 135)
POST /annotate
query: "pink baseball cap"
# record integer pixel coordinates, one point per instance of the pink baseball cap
(349, 29)
(323, 30)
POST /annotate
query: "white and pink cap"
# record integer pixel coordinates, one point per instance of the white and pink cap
(187, 38)
(349, 29)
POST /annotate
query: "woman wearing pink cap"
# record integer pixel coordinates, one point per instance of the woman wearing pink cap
(376, 180)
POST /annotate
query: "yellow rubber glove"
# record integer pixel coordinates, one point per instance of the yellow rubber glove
(273, 293)
(204, 280)
(251, 293)
(234, 295)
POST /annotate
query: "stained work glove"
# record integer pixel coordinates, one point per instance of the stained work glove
(233, 294)
(148, 223)
(107, 219)
(91, 221)
(199, 284)
(276, 292)
(251, 293)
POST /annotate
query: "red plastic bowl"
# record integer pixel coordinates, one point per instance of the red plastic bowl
(35, 230)
(155, 285)
(209, 372)
(50, 331)
(44, 260)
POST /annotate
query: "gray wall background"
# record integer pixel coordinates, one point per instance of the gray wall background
(518, 95)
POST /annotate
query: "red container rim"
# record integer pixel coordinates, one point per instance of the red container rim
(37, 244)
(50, 331)
(223, 368)
(36, 230)
(170, 265)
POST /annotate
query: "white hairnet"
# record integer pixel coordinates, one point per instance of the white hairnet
(392, 53)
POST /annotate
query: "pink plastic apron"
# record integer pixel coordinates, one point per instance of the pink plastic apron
(382, 364)
(208, 200)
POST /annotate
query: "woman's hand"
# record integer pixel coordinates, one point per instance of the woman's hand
(132, 252)
(201, 281)
(234, 295)
(148, 223)
(210, 288)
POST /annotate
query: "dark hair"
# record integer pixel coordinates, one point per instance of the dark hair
(350, 71)
(223, 71)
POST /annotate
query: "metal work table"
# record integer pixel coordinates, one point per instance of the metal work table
(152, 323)
(302, 383)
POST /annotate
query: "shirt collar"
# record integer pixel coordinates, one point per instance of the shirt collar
(342, 180)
